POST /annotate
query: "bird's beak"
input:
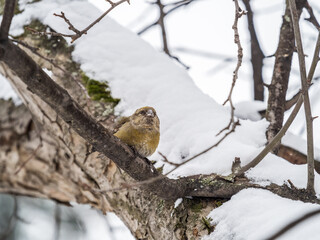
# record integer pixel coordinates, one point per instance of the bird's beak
(150, 113)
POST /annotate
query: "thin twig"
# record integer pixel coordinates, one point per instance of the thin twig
(34, 152)
(274, 141)
(163, 27)
(176, 5)
(292, 101)
(238, 14)
(293, 224)
(312, 17)
(77, 33)
(165, 159)
(161, 23)
(306, 100)
(8, 14)
(125, 186)
(290, 119)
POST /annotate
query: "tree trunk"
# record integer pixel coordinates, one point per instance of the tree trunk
(281, 72)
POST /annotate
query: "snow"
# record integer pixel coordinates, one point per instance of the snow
(7, 92)
(140, 76)
(178, 202)
(255, 214)
(189, 119)
(39, 222)
(249, 110)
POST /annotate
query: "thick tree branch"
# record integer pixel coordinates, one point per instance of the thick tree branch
(94, 133)
(7, 18)
(281, 72)
(58, 98)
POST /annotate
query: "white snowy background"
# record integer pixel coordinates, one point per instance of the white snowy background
(190, 116)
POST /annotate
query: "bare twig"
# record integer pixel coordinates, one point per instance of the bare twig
(209, 148)
(163, 27)
(292, 116)
(293, 224)
(176, 5)
(306, 100)
(8, 13)
(77, 33)
(125, 186)
(238, 14)
(165, 159)
(51, 61)
(274, 141)
(160, 22)
(34, 152)
(312, 18)
(292, 101)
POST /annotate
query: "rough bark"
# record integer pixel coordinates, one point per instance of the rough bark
(59, 164)
(281, 72)
(65, 169)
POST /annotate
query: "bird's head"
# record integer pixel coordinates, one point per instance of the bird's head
(145, 118)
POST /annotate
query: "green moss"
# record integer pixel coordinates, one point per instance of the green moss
(98, 91)
(160, 169)
(207, 181)
(197, 207)
(58, 49)
(207, 224)
(160, 206)
(218, 203)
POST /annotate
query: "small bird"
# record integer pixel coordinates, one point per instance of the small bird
(141, 130)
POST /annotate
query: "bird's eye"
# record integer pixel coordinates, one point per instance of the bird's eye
(143, 112)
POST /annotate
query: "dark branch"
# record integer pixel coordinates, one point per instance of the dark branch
(77, 33)
(57, 98)
(257, 55)
(7, 18)
(94, 133)
(312, 17)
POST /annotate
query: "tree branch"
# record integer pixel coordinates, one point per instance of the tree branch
(290, 119)
(306, 100)
(238, 14)
(94, 133)
(293, 224)
(77, 33)
(58, 99)
(280, 76)
(7, 18)
(257, 55)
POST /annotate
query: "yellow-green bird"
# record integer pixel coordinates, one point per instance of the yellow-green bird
(141, 130)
